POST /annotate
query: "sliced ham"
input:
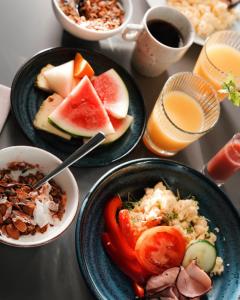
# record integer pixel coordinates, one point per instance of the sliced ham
(163, 281)
(192, 281)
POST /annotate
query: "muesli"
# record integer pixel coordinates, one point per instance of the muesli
(24, 210)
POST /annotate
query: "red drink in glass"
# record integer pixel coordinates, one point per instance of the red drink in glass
(226, 162)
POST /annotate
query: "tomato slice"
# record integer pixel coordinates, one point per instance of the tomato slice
(160, 248)
(131, 231)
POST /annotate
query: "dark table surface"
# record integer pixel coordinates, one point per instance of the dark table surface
(26, 27)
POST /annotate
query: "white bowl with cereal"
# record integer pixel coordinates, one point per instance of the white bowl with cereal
(29, 217)
(98, 20)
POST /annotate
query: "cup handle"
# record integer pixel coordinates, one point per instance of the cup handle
(131, 32)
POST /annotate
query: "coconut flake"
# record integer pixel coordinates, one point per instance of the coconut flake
(41, 214)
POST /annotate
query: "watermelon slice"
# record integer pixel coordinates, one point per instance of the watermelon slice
(113, 93)
(60, 78)
(82, 113)
(120, 126)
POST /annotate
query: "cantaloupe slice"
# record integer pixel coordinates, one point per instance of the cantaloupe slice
(82, 112)
(60, 78)
(41, 118)
(82, 67)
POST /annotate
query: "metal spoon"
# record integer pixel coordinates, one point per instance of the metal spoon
(79, 153)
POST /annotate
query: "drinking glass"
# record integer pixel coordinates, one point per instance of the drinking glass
(225, 162)
(186, 109)
(219, 58)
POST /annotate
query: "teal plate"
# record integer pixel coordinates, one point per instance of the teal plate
(104, 279)
(26, 100)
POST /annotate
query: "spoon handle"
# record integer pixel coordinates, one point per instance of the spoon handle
(79, 153)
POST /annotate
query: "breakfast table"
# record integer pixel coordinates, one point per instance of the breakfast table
(51, 271)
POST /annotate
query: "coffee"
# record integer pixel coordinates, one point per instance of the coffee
(165, 33)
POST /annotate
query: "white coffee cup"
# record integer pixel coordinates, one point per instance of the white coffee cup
(151, 57)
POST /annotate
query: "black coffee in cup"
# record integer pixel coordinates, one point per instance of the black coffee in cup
(165, 33)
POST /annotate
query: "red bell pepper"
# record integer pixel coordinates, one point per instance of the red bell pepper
(113, 229)
(127, 229)
(128, 267)
(117, 246)
(138, 290)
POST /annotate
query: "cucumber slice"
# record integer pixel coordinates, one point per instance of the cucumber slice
(203, 252)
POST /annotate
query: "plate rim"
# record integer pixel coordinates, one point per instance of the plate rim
(81, 260)
(45, 52)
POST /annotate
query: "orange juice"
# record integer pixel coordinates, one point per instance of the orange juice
(216, 62)
(184, 112)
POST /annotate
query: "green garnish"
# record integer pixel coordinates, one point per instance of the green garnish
(171, 216)
(130, 203)
(190, 229)
(229, 87)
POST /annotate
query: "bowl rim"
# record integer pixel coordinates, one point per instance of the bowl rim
(75, 189)
(139, 161)
(109, 32)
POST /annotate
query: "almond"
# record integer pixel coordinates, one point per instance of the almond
(42, 229)
(20, 225)
(28, 208)
(12, 231)
(3, 209)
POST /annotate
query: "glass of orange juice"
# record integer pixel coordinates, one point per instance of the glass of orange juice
(219, 58)
(186, 109)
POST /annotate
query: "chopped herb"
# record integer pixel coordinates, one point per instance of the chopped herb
(130, 203)
(171, 216)
(190, 229)
(229, 87)
(165, 183)
(178, 195)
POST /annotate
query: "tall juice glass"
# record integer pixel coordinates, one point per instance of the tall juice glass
(186, 109)
(220, 57)
(226, 162)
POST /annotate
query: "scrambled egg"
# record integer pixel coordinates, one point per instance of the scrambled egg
(206, 16)
(160, 203)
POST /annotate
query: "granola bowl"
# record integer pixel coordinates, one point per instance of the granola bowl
(93, 30)
(28, 217)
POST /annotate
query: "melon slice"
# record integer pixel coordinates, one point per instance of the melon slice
(82, 67)
(41, 118)
(41, 81)
(113, 93)
(60, 78)
(82, 112)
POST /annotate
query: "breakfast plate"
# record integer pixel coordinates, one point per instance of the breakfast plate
(198, 40)
(104, 279)
(26, 100)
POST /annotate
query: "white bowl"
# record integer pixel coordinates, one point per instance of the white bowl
(65, 180)
(91, 34)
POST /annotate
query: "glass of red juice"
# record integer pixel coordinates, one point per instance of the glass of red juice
(225, 162)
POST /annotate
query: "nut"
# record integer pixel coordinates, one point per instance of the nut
(20, 225)
(12, 232)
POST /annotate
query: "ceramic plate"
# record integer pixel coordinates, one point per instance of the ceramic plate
(26, 100)
(104, 279)
(198, 40)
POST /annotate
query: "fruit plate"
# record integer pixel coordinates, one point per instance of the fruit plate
(104, 279)
(26, 100)
(198, 40)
